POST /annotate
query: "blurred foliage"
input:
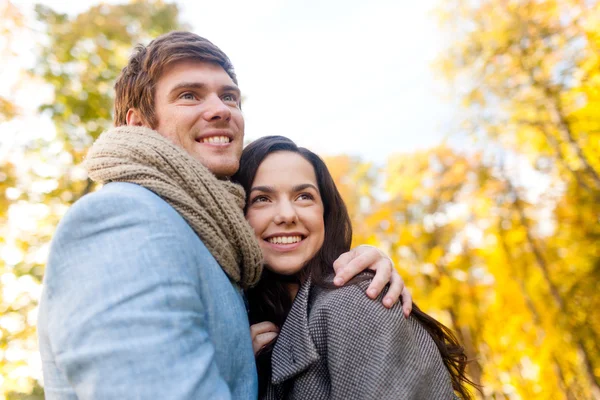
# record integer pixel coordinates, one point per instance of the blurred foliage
(79, 57)
(502, 244)
(10, 25)
(528, 75)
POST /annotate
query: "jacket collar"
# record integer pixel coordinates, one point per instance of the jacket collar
(294, 350)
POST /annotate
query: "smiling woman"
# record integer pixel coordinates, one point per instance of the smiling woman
(286, 211)
(326, 342)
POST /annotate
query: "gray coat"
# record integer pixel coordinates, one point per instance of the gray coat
(339, 344)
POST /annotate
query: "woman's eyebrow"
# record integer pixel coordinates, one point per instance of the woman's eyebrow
(297, 188)
(304, 186)
(266, 189)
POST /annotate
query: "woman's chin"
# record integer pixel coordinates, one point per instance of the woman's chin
(284, 270)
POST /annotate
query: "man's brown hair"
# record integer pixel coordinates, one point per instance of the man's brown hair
(136, 85)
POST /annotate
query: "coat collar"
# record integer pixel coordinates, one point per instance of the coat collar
(294, 350)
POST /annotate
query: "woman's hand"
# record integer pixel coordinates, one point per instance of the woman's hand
(262, 334)
(363, 257)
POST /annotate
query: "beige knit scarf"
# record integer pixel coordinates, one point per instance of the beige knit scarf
(213, 208)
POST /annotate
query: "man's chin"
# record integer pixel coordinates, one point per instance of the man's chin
(223, 170)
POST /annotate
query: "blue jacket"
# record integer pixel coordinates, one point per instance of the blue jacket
(135, 307)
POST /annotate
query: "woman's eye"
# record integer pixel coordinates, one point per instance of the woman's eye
(259, 199)
(306, 196)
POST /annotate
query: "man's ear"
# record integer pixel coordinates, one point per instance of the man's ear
(134, 117)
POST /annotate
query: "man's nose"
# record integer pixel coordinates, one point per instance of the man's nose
(286, 213)
(216, 109)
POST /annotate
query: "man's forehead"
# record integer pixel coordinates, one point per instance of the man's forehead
(195, 73)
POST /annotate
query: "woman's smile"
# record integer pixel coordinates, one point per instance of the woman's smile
(285, 241)
(286, 212)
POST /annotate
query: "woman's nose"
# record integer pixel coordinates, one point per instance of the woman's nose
(286, 214)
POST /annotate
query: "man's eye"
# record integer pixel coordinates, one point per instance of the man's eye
(187, 96)
(230, 98)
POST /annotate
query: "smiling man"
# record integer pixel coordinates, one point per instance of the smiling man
(198, 108)
(143, 291)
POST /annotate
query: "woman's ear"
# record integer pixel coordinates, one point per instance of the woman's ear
(134, 117)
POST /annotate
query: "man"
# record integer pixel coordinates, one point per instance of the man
(142, 293)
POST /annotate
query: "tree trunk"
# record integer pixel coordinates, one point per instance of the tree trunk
(535, 313)
(558, 300)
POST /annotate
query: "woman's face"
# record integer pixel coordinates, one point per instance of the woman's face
(286, 211)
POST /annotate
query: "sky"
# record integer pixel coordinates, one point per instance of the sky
(336, 76)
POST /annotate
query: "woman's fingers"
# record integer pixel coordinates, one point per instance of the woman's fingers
(263, 327)
(261, 340)
(262, 334)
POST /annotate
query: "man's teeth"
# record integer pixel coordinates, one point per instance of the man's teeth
(215, 139)
(284, 239)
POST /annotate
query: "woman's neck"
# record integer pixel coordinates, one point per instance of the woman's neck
(292, 289)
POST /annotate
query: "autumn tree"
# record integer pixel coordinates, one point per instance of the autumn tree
(528, 75)
(11, 24)
(500, 244)
(79, 58)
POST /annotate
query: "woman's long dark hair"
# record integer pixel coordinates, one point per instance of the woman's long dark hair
(270, 301)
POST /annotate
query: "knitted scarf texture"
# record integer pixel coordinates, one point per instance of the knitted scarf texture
(213, 208)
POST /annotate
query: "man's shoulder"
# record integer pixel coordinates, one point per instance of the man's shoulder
(121, 193)
(123, 218)
(118, 198)
(122, 204)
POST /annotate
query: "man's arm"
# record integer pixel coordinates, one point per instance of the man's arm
(364, 257)
(125, 319)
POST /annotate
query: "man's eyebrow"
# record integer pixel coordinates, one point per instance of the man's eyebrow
(202, 86)
(231, 88)
(266, 189)
(187, 85)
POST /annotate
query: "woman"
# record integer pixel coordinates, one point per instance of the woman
(323, 350)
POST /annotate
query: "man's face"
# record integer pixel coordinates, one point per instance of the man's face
(198, 109)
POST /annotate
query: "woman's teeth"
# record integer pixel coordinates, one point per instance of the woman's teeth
(284, 239)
